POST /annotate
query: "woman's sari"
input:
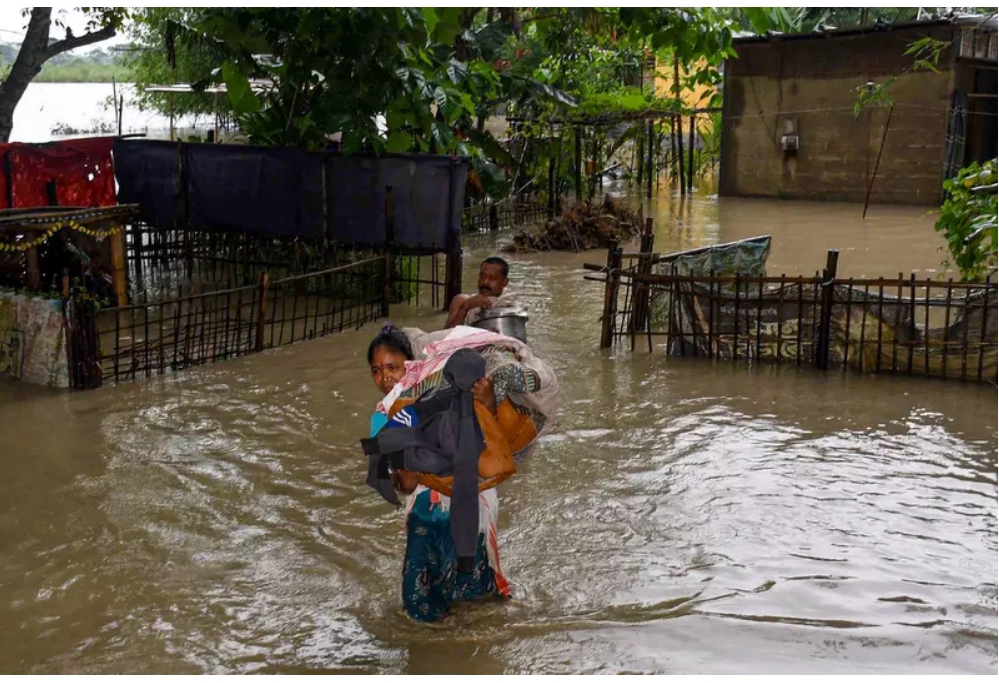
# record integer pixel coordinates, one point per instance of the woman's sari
(431, 582)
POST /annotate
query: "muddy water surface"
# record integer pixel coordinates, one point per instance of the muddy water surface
(683, 516)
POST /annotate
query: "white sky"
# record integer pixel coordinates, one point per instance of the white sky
(12, 25)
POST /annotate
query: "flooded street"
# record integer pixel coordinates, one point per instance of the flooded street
(683, 516)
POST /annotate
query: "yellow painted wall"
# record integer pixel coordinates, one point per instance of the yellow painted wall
(698, 97)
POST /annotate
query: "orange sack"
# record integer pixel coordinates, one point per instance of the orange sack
(505, 433)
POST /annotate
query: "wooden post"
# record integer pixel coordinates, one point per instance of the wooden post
(870, 185)
(599, 163)
(660, 156)
(68, 327)
(119, 271)
(595, 161)
(453, 285)
(389, 249)
(610, 295)
(690, 165)
(825, 315)
(640, 144)
(551, 175)
(651, 170)
(679, 154)
(640, 312)
(265, 281)
(34, 272)
(672, 145)
(678, 129)
(493, 218)
(579, 164)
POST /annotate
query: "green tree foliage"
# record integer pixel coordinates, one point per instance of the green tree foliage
(968, 220)
(335, 70)
(602, 57)
(296, 76)
(156, 57)
(425, 79)
(96, 66)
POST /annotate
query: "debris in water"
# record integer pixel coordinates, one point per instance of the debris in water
(582, 226)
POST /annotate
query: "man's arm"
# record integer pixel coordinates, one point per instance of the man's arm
(461, 305)
(509, 299)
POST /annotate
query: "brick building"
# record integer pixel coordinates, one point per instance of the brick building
(790, 128)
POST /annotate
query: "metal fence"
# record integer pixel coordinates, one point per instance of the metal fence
(199, 296)
(145, 339)
(898, 325)
(509, 213)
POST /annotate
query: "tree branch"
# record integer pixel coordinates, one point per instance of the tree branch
(73, 42)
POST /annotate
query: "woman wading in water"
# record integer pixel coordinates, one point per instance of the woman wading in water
(512, 396)
(431, 582)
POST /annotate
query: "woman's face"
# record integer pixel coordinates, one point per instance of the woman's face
(387, 367)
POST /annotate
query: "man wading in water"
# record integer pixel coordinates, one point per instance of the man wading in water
(494, 277)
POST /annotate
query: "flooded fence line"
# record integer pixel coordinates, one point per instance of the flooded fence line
(236, 250)
(898, 325)
(507, 213)
(199, 297)
(151, 338)
(202, 323)
(165, 263)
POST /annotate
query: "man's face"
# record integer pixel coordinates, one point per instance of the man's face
(491, 279)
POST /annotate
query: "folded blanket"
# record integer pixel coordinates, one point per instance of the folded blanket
(527, 381)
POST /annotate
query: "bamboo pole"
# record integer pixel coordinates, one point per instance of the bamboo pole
(870, 185)
(651, 151)
(119, 270)
(690, 165)
(679, 122)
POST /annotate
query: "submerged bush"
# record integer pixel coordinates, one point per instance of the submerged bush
(968, 220)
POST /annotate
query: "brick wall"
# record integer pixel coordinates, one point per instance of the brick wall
(809, 86)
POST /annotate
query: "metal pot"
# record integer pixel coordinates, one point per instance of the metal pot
(507, 321)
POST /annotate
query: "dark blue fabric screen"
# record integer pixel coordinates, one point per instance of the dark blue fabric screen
(266, 190)
(148, 174)
(280, 192)
(428, 195)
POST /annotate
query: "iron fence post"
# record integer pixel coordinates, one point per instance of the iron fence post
(825, 314)
(610, 294)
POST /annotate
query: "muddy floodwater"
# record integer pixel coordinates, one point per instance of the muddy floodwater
(683, 517)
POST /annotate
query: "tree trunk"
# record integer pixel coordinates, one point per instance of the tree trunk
(35, 51)
(26, 66)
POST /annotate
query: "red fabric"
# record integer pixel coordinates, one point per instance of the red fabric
(82, 170)
(3, 177)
